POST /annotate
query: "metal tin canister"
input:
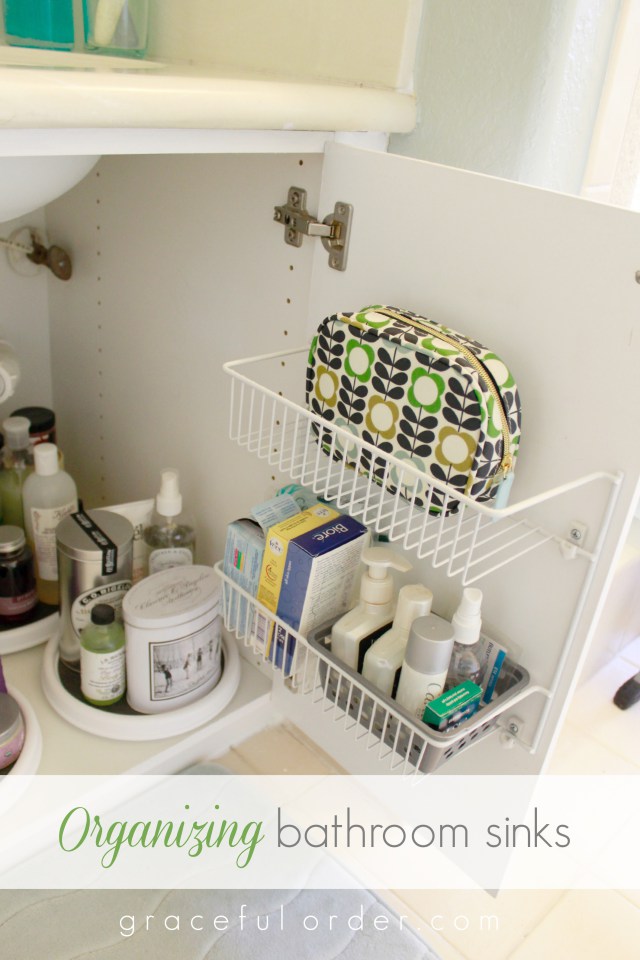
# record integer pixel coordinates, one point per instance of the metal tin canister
(95, 552)
(172, 623)
(12, 730)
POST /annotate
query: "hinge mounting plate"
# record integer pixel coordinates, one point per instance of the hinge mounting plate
(334, 230)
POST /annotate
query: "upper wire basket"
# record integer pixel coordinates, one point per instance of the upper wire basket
(471, 542)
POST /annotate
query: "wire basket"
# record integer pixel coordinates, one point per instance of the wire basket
(340, 696)
(269, 417)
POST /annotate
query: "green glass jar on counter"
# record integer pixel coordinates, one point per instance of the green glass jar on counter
(102, 661)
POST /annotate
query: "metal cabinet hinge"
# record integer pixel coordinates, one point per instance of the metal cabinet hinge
(334, 230)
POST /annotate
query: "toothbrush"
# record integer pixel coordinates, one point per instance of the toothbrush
(108, 13)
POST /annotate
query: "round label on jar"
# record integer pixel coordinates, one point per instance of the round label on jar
(111, 593)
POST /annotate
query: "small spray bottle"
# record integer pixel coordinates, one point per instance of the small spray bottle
(353, 633)
(383, 659)
(171, 535)
(465, 659)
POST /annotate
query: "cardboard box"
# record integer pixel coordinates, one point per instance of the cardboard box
(453, 707)
(320, 573)
(244, 551)
(278, 540)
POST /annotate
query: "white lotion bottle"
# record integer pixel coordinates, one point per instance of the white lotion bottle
(48, 495)
(465, 659)
(353, 633)
(426, 661)
(383, 659)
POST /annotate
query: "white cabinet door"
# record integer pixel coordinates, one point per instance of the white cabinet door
(549, 282)
(170, 283)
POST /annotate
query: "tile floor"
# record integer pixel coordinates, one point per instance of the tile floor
(597, 738)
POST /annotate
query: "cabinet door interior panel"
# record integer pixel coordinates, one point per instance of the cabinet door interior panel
(549, 282)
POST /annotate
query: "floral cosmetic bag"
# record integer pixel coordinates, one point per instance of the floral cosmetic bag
(435, 400)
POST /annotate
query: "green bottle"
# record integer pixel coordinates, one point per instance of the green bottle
(16, 465)
(102, 663)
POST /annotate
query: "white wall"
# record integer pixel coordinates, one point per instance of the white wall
(511, 87)
(361, 41)
(24, 323)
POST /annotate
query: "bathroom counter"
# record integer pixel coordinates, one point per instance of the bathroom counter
(69, 750)
(53, 103)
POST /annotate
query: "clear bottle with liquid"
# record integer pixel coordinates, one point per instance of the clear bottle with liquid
(49, 495)
(17, 464)
(465, 658)
(171, 535)
(102, 658)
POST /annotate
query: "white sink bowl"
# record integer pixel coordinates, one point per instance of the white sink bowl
(28, 183)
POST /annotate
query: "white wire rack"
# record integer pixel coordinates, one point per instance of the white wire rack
(469, 543)
(342, 697)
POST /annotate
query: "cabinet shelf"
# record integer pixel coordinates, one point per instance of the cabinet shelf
(338, 695)
(273, 423)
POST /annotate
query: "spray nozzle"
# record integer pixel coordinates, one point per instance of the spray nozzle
(466, 619)
(169, 499)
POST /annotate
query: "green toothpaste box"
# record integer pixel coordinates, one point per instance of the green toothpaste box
(452, 707)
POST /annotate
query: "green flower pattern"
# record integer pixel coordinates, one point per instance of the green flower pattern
(416, 398)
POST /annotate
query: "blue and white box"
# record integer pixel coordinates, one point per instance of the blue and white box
(319, 579)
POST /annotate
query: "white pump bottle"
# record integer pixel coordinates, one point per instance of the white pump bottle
(353, 633)
(383, 659)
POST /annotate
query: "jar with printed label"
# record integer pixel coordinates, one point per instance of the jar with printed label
(18, 594)
(102, 662)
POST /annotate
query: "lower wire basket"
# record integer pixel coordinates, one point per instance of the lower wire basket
(414, 744)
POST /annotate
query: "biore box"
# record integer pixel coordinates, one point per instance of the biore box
(454, 706)
(244, 550)
(274, 561)
(319, 578)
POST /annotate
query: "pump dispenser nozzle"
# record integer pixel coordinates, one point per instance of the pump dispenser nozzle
(377, 584)
(353, 633)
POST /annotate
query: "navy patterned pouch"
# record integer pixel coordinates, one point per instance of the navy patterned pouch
(422, 393)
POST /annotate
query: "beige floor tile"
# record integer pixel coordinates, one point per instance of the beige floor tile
(235, 763)
(595, 714)
(277, 751)
(631, 653)
(632, 895)
(577, 752)
(585, 925)
(417, 923)
(478, 925)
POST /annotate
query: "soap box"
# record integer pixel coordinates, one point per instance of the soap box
(318, 581)
(451, 708)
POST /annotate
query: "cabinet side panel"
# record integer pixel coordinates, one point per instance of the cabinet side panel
(179, 267)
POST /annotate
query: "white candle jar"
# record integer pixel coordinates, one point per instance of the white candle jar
(172, 623)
